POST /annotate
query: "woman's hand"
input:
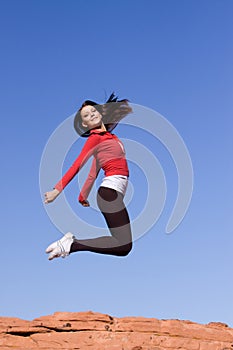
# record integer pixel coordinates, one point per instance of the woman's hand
(84, 203)
(51, 195)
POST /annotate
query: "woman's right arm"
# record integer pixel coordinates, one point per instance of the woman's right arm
(86, 153)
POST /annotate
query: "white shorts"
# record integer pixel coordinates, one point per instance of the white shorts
(116, 182)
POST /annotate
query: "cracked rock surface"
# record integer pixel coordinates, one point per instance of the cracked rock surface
(96, 331)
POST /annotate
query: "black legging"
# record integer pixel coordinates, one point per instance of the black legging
(110, 203)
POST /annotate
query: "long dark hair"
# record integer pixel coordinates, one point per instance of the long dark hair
(113, 111)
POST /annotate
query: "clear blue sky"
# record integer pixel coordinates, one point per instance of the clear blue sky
(173, 56)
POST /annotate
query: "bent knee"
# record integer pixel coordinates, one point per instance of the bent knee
(126, 249)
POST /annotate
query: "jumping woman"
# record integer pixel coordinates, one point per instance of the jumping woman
(96, 122)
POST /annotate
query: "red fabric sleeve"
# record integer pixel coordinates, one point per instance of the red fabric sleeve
(89, 181)
(87, 151)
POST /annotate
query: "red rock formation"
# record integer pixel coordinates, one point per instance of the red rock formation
(94, 331)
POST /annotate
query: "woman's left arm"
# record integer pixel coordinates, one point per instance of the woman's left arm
(89, 183)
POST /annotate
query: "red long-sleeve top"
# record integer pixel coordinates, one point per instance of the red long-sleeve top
(109, 155)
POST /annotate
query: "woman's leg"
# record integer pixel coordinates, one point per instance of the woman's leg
(111, 205)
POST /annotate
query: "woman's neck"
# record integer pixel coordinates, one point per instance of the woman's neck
(101, 128)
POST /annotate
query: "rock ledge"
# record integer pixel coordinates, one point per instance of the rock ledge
(95, 331)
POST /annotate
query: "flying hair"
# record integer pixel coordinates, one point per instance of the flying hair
(113, 111)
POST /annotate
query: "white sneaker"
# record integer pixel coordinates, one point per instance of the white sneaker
(61, 248)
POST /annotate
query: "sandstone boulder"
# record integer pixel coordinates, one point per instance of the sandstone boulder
(95, 331)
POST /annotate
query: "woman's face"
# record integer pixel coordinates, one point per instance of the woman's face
(91, 118)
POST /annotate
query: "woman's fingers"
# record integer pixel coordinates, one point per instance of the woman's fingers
(85, 203)
(48, 197)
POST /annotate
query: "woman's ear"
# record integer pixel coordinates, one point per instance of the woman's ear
(84, 125)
